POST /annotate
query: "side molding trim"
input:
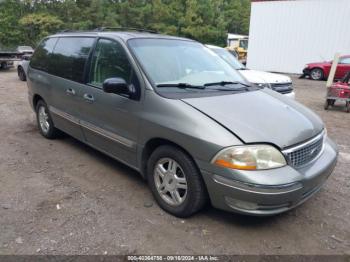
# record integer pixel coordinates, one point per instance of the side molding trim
(107, 134)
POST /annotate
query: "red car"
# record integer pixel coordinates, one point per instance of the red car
(320, 71)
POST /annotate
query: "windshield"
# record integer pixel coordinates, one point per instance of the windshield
(243, 44)
(229, 58)
(168, 62)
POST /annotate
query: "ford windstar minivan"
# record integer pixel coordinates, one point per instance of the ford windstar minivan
(175, 111)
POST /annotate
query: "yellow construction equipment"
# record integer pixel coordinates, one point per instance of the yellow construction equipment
(238, 43)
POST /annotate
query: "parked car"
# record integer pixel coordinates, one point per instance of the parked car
(176, 112)
(7, 57)
(22, 68)
(26, 50)
(277, 82)
(321, 70)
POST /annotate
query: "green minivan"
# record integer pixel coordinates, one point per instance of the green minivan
(175, 111)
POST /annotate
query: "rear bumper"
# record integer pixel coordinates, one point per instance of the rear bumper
(265, 198)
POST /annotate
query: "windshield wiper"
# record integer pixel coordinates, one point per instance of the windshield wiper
(181, 85)
(224, 83)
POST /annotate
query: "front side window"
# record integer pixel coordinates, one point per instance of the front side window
(109, 61)
(69, 57)
(41, 56)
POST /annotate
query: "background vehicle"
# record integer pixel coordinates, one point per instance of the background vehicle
(339, 91)
(277, 82)
(7, 57)
(183, 117)
(238, 43)
(320, 70)
(22, 67)
(26, 50)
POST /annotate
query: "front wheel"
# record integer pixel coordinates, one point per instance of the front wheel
(175, 181)
(45, 124)
(21, 74)
(316, 74)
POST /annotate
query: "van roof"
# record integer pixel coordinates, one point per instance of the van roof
(124, 35)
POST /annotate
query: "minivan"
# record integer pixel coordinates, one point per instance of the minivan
(172, 109)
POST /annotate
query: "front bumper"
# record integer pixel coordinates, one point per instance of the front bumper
(290, 95)
(269, 192)
(306, 71)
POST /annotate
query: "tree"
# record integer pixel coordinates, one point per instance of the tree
(39, 25)
(209, 21)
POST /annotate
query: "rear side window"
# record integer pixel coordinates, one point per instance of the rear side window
(345, 60)
(69, 57)
(41, 56)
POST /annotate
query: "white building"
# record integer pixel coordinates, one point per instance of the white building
(285, 35)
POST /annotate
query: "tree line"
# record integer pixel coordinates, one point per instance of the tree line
(25, 22)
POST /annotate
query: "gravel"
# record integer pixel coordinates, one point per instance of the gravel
(63, 197)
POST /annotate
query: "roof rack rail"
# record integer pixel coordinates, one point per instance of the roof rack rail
(101, 29)
(65, 30)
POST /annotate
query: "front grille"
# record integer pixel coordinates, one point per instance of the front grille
(305, 153)
(281, 84)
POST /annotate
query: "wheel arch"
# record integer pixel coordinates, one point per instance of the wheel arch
(151, 145)
(36, 99)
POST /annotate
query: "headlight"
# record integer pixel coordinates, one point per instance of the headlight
(250, 157)
(264, 85)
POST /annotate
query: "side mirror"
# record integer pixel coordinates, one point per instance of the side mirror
(116, 86)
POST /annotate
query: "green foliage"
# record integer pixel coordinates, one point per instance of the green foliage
(39, 25)
(27, 21)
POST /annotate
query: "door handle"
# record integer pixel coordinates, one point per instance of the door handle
(89, 98)
(70, 91)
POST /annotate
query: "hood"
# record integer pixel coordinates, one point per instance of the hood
(260, 77)
(262, 116)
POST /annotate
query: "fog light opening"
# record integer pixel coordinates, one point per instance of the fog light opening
(235, 203)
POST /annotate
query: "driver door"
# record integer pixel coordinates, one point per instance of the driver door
(110, 122)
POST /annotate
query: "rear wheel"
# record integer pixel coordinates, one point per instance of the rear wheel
(45, 124)
(175, 181)
(316, 74)
(348, 106)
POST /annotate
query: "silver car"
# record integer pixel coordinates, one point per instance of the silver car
(176, 112)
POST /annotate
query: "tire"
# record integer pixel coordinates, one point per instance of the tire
(348, 107)
(317, 74)
(189, 200)
(326, 104)
(47, 129)
(4, 66)
(21, 74)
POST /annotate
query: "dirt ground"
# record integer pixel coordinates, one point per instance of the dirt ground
(62, 197)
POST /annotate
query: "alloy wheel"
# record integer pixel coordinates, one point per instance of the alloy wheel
(170, 181)
(43, 119)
